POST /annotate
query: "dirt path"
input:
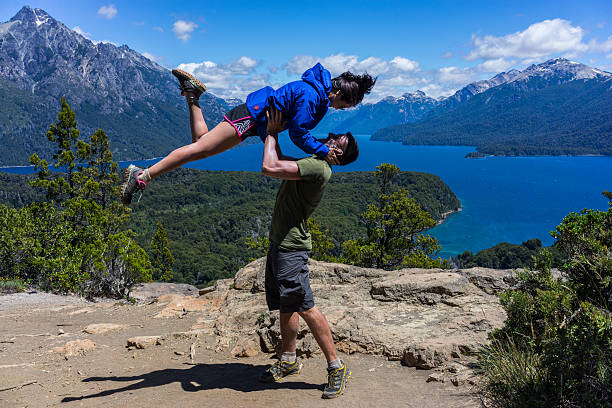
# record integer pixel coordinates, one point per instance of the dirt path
(164, 375)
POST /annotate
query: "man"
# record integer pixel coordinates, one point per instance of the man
(287, 283)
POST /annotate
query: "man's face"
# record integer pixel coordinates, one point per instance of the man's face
(338, 141)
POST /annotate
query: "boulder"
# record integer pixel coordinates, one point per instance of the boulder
(491, 281)
(142, 342)
(424, 288)
(152, 290)
(422, 317)
(76, 347)
(252, 276)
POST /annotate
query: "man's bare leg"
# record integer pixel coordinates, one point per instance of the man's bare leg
(289, 324)
(320, 329)
(218, 140)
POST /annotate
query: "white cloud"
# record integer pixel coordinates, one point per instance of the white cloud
(446, 55)
(495, 65)
(183, 29)
(404, 64)
(108, 12)
(78, 30)
(139, 23)
(158, 28)
(455, 75)
(234, 80)
(539, 40)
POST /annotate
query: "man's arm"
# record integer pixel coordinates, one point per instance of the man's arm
(274, 166)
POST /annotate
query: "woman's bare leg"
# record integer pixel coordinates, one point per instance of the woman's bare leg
(220, 139)
(197, 123)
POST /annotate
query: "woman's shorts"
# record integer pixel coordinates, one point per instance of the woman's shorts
(242, 121)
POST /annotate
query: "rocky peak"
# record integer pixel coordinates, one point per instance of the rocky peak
(564, 69)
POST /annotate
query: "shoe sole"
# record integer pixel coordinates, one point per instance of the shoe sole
(126, 177)
(180, 74)
(341, 392)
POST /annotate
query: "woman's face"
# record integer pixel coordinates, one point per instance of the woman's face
(337, 102)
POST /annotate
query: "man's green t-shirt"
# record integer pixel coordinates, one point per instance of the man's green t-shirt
(295, 201)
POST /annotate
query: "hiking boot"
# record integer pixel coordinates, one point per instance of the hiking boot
(189, 83)
(279, 370)
(336, 381)
(131, 184)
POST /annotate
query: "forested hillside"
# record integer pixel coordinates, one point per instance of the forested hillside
(208, 216)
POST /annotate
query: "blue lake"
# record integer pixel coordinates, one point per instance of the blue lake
(509, 199)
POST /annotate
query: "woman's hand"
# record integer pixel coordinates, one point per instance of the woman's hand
(275, 123)
(332, 156)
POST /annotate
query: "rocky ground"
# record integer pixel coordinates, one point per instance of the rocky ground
(408, 337)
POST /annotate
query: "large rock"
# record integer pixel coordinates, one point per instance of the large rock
(422, 317)
(101, 328)
(76, 347)
(142, 342)
(425, 288)
(152, 290)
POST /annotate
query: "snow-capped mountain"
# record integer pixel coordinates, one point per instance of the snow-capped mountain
(135, 100)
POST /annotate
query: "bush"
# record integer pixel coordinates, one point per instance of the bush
(76, 241)
(561, 326)
(12, 285)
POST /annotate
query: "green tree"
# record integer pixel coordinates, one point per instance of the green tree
(322, 244)
(85, 246)
(161, 260)
(394, 230)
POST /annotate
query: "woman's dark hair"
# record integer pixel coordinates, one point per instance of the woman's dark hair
(351, 152)
(353, 87)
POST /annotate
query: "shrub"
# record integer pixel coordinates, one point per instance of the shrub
(562, 326)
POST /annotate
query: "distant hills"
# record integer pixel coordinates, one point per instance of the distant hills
(135, 100)
(554, 108)
(557, 107)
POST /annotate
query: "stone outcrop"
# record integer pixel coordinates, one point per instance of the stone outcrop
(427, 318)
(145, 291)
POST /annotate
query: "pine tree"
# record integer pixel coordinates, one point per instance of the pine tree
(394, 230)
(161, 259)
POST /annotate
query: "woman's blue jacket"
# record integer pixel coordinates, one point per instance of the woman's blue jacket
(303, 105)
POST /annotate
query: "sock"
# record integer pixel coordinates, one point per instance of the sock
(334, 364)
(288, 357)
(145, 176)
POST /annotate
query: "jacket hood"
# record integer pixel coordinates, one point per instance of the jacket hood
(319, 78)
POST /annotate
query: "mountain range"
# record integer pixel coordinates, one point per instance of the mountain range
(136, 101)
(557, 107)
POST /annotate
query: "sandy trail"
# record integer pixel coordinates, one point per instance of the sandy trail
(163, 376)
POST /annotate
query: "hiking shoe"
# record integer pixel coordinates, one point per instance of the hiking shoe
(189, 83)
(279, 370)
(336, 381)
(131, 184)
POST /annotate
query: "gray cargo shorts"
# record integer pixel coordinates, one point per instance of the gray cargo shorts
(287, 283)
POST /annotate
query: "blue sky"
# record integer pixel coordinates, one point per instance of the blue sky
(436, 46)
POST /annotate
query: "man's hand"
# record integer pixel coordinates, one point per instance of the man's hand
(332, 156)
(275, 121)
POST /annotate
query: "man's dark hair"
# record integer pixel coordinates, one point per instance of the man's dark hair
(353, 87)
(351, 152)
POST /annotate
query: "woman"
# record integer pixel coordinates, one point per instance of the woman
(302, 104)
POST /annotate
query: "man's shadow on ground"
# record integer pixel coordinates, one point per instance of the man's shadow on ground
(236, 376)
